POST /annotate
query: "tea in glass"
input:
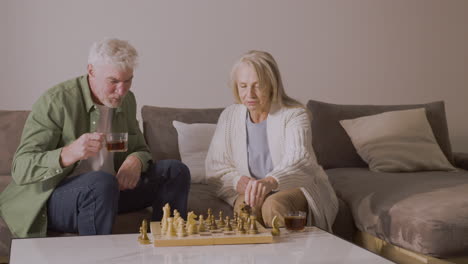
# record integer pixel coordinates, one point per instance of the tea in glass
(295, 221)
(117, 142)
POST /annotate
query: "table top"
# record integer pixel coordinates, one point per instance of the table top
(310, 246)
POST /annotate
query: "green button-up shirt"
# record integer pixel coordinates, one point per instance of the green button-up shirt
(59, 117)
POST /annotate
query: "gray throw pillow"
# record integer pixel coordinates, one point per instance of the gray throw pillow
(334, 148)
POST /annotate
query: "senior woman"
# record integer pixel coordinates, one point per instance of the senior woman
(261, 152)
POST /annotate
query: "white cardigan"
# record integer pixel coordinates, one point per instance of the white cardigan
(294, 161)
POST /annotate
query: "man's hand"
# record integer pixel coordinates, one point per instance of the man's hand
(257, 190)
(129, 173)
(87, 145)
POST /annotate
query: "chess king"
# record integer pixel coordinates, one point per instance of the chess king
(261, 152)
(64, 178)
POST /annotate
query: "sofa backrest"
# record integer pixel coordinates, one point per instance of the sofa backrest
(334, 148)
(160, 134)
(11, 128)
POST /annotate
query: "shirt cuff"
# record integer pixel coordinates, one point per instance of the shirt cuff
(144, 158)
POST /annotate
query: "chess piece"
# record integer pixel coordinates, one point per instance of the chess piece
(213, 225)
(208, 221)
(248, 223)
(246, 208)
(201, 224)
(191, 216)
(144, 233)
(192, 229)
(141, 234)
(234, 219)
(240, 227)
(166, 214)
(180, 222)
(228, 226)
(209, 214)
(221, 222)
(171, 230)
(191, 223)
(274, 223)
(181, 232)
(253, 225)
(176, 215)
(245, 212)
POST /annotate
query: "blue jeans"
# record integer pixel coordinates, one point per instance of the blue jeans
(88, 203)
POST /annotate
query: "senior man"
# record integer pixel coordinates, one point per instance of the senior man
(64, 179)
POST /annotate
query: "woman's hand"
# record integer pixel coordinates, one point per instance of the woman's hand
(257, 190)
(242, 184)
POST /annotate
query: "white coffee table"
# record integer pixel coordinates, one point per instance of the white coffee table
(310, 246)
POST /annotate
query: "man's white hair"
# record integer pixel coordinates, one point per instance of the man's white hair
(114, 52)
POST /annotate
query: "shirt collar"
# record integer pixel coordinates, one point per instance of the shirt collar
(86, 90)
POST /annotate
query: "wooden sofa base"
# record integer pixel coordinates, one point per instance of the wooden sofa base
(397, 254)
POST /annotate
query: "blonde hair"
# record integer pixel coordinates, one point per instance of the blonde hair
(268, 76)
(115, 52)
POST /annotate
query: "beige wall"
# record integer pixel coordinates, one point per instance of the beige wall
(356, 52)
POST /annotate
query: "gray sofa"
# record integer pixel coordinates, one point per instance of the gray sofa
(424, 212)
(367, 204)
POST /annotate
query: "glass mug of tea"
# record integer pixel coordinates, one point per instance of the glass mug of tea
(117, 142)
(295, 220)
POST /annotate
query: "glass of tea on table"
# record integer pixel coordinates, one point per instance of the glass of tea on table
(117, 142)
(295, 220)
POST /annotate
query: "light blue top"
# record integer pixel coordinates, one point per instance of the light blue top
(258, 152)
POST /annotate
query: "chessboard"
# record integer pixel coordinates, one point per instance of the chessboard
(213, 237)
(173, 231)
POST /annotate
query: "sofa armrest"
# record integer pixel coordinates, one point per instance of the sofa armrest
(461, 160)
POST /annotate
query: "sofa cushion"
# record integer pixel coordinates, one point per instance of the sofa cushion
(426, 212)
(11, 128)
(5, 241)
(202, 197)
(334, 148)
(127, 223)
(160, 134)
(397, 141)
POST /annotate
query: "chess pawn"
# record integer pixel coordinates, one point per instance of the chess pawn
(221, 222)
(180, 222)
(253, 225)
(181, 231)
(201, 225)
(228, 226)
(176, 215)
(209, 214)
(213, 225)
(145, 240)
(171, 230)
(234, 218)
(144, 233)
(248, 222)
(274, 223)
(240, 227)
(140, 237)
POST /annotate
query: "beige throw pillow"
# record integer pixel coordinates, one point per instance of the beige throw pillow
(397, 141)
(194, 141)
